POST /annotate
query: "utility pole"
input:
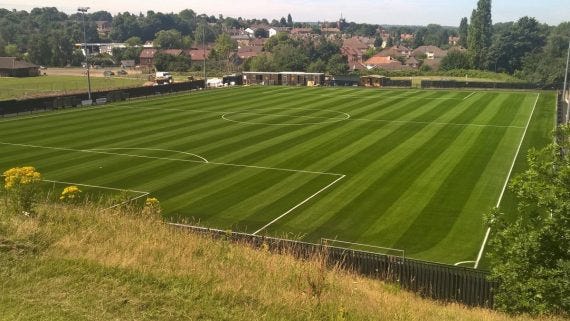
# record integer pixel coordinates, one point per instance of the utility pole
(204, 48)
(565, 95)
(84, 11)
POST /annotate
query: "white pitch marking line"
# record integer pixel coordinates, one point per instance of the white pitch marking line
(471, 94)
(169, 159)
(435, 123)
(143, 194)
(463, 262)
(296, 206)
(506, 182)
(151, 149)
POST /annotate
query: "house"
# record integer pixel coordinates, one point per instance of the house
(249, 52)
(146, 57)
(301, 31)
(406, 37)
(198, 55)
(383, 62)
(412, 62)
(173, 52)
(330, 31)
(14, 67)
(453, 41)
(396, 51)
(353, 49)
(275, 30)
(251, 30)
(103, 28)
(429, 52)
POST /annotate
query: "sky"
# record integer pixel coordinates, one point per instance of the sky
(410, 12)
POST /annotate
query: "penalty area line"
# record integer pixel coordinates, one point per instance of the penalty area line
(142, 194)
(298, 205)
(471, 94)
(488, 232)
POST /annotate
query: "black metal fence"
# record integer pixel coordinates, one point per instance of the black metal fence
(398, 83)
(11, 107)
(485, 85)
(431, 280)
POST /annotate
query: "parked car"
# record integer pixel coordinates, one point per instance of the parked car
(122, 72)
(108, 73)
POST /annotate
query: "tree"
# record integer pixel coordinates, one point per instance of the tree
(224, 46)
(455, 59)
(261, 33)
(289, 58)
(289, 20)
(283, 22)
(479, 37)
(204, 29)
(378, 42)
(11, 50)
(133, 41)
(317, 66)
(463, 29)
(39, 51)
(548, 64)
(528, 249)
(390, 42)
(337, 65)
(513, 44)
(263, 62)
(124, 26)
(168, 39)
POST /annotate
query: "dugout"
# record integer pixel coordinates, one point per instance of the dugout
(266, 78)
(373, 81)
(233, 80)
(292, 78)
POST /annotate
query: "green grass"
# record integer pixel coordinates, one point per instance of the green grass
(413, 170)
(17, 88)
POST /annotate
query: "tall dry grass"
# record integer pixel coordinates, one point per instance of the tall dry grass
(127, 266)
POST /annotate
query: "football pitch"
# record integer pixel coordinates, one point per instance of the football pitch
(406, 169)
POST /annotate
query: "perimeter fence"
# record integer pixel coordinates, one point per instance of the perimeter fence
(33, 105)
(432, 280)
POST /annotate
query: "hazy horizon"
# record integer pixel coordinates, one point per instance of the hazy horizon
(391, 12)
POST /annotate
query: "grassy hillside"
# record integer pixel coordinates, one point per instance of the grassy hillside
(80, 263)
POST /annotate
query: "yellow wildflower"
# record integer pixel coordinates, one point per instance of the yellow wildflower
(19, 176)
(70, 193)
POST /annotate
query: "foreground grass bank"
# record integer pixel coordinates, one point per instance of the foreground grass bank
(81, 263)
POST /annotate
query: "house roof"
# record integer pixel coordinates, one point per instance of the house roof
(378, 60)
(330, 30)
(301, 30)
(248, 52)
(197, 54)
(395, 51)
(173, 52)
(437, 52)
(15, 63)
(148, 53)
(412, 61)
(355, 42)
